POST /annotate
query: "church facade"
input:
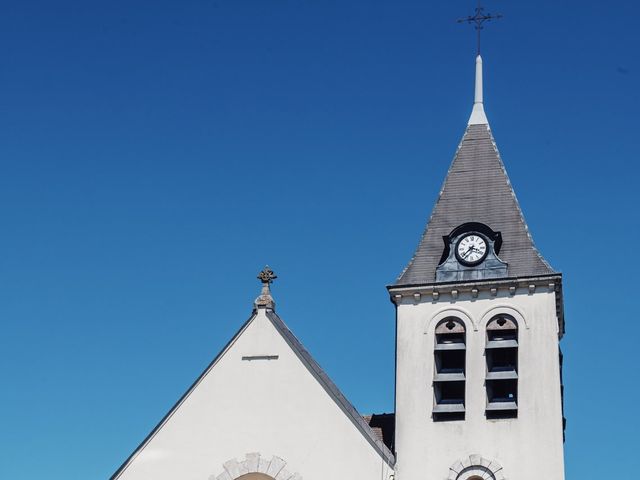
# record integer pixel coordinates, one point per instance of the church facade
(479, 317)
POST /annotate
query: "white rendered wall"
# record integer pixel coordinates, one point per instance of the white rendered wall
(529, 447)
(272, 407)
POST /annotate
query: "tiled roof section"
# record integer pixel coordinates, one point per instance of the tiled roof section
(383, 426)
(477, 189)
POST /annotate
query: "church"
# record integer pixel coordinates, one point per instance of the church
(478, 388)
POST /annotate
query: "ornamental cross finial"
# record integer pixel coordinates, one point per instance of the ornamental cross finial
(478, 19)
(267, 275)
(265, 300)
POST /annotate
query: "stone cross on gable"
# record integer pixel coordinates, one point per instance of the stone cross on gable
(265, 300)
(266, 275)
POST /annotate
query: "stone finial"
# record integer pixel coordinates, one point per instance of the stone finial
(478, 116)
(265, 300)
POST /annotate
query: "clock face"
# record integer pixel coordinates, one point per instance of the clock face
(471, 249)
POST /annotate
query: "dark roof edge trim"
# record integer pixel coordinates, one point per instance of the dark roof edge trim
(169, 414)
(331, 388)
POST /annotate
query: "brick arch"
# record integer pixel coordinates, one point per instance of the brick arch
(475, 466)
(273, 467)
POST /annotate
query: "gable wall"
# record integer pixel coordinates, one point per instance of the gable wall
(272, 407)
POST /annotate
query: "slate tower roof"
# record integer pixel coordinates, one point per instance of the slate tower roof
(476, 189)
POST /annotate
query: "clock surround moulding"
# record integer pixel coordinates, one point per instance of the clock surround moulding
(452, 269)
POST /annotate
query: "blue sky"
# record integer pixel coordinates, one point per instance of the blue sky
(155, 155)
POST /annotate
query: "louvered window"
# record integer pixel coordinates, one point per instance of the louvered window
(449, 371)
(502, 367)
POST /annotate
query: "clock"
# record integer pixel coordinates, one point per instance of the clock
(471, 249)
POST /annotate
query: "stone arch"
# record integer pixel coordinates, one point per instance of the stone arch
(474, 467)
(457, 312)
(254, 463)
(504, 309)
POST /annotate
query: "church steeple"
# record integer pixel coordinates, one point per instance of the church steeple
(478, 318)
(476, 191)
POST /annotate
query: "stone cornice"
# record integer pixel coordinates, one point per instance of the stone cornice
(411, 294)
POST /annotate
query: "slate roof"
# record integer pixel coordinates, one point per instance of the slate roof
(476, 189)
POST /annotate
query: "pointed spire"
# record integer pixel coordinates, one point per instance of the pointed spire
(476, 189)
(265, 300)
(478, 116)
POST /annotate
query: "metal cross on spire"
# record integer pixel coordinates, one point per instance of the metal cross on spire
(478, 19)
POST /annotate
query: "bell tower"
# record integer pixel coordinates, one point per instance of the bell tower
(479, 318)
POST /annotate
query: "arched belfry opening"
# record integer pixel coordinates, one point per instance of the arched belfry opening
(449, 372)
